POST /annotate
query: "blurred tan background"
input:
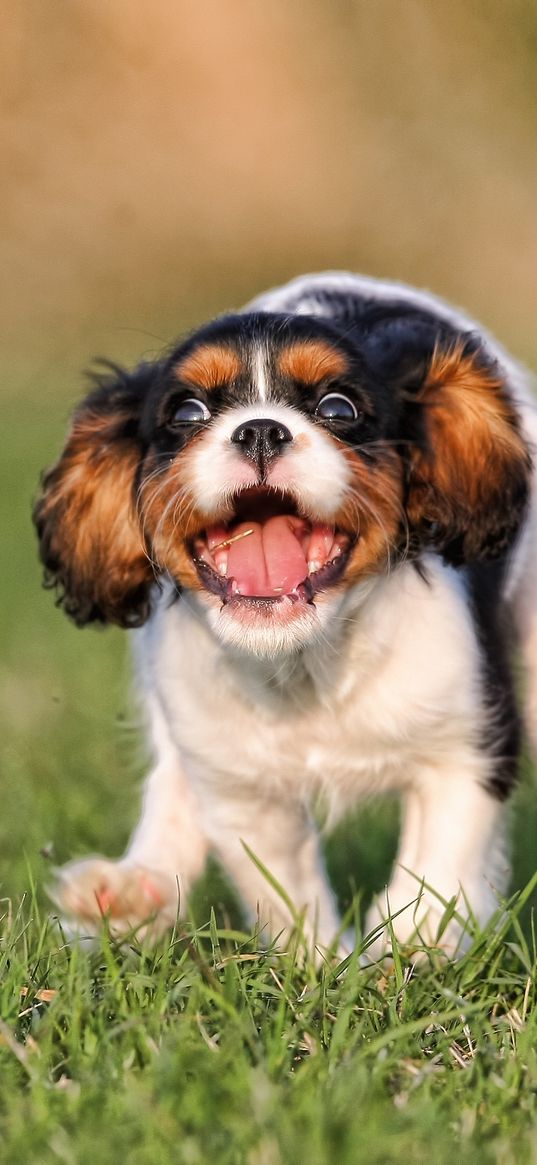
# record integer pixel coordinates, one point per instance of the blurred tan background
(164, 160)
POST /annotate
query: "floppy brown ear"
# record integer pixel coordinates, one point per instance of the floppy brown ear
(90, 540)
(469, 475)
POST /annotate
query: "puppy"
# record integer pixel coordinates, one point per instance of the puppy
(315, 518)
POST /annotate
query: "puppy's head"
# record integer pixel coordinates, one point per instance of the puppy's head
(271, 463)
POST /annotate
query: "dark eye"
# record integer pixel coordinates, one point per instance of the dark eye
(190, 412)
(336, 407)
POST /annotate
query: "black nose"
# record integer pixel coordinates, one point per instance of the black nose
(261, 441)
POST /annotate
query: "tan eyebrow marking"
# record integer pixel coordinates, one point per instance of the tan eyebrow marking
(311, 361)
(209, 365)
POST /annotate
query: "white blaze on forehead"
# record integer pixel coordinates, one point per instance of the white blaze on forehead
(311, 467)
(260, 382)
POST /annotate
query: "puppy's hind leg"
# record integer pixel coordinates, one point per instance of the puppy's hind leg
(147, 888)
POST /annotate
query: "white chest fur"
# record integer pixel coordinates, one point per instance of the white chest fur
(398, 677)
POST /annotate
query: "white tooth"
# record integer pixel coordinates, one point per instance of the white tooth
(220, 558)
(314, 565)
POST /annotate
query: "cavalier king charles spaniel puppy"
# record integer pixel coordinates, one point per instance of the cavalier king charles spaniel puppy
(314, 516)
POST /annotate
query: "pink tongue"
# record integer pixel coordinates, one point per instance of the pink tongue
(270, 561)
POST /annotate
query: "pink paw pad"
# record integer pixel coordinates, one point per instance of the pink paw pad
(150, 891)
(105, 900)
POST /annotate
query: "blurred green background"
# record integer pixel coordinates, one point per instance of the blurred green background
(164, 162)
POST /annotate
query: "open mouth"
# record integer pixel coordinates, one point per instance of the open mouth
(269, 551)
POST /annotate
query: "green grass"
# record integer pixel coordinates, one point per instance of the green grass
(208, 1047)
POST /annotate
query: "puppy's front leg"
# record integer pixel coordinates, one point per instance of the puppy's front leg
(452, 843)
(148, 887)
(284, 839)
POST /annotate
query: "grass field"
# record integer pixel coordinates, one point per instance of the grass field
(209, 1048)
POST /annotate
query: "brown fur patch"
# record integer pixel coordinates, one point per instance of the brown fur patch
(471, 420)
(209, 366)
(91, 543)
(374, 511)
(312, 361)
(170, 517)
(475, 458)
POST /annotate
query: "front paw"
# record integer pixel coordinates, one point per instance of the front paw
(129, 896)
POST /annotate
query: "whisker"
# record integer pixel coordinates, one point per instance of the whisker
(364, 505)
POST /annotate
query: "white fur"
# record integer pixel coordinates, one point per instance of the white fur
(260, 374)
(383, 694)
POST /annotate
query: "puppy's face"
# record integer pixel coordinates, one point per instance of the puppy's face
(261, 489)
(272, 463)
